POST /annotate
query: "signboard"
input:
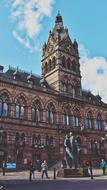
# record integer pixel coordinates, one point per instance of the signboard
(10, 165)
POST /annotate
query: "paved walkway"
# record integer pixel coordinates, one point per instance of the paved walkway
(23, 177)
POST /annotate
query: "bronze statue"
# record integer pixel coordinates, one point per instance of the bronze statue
(72, 149)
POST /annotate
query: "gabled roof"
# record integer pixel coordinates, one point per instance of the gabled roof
(20, 76)
(95, 99)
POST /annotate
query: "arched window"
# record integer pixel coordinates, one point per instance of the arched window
(98, 122)
(50, 113)
(69, 63)
(94, 147)
(39, 140)
(89, 121)
(54, 62)
(74, 66)
(17, 140)
(4, 105)
(22, 139)
(65, 87)
(101, 145)
(47, 141)
(20, 108)
(3, 136)
(36, 140)
(65, 118)
(51, 141)
(63, 62)
(36, 109)
(76, 119)
(46, 68)
(50, 65)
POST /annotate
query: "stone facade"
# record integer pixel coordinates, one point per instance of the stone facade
(37, 112)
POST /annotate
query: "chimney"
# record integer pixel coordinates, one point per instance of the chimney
(1, 69)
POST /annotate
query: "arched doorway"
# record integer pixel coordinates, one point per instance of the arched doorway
(3, 157)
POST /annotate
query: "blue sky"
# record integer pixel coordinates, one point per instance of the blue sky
(25, 24)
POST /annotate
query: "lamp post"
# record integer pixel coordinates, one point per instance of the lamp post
(4, 154)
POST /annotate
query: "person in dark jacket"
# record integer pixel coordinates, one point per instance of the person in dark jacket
(32, 172)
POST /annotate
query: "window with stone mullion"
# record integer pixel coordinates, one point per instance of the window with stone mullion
(19, 111)
(50, 114)
(89, 123)
(65, 119)
(35, 141)
(98, 123)
(47, 141)
(36, 111)
(3, 108)
(20, 108)
(76, 121)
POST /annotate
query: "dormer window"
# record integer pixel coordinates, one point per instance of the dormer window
(30, 79)
(16, 75)
(43, 83)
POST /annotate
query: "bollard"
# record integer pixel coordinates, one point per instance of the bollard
(30, 176)
(54, 176)
(3, 167)
(3, 171)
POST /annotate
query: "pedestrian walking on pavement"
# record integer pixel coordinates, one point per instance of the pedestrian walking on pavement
(32, 172)
(44, 169)
(90, 169)
(103, 165)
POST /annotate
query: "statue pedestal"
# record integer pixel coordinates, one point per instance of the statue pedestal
(68, 172)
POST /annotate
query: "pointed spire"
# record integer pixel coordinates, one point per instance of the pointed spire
(59, 18)
(58, 24)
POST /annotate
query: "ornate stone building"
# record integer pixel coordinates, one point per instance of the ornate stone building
(37, 112)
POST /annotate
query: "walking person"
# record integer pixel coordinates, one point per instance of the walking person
(103, 165)
(90, 169)
(32, 172)
(44, 169)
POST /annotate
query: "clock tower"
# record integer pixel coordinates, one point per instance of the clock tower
(60, 61)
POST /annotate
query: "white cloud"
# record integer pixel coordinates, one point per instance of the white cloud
(28, 18)
(94, 73)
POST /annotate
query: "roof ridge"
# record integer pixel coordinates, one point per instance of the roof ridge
(22, 71)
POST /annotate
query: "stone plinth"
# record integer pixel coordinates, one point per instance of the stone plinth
(68, 172)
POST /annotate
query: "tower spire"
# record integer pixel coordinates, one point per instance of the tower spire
(58, 23)
(59, 18)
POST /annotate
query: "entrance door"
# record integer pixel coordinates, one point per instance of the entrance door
(2, 157)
